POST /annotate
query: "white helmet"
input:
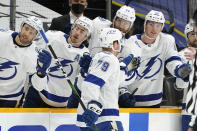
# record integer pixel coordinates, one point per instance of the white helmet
(126, 13)
(108, 36)
(35, 23)
(189, 28)
(85, 22)
(155, 16)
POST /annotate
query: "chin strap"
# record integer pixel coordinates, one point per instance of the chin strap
(149, 37)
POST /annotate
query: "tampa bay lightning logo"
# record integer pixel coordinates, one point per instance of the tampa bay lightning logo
(8, 69)
(64, 63)
(150, 67)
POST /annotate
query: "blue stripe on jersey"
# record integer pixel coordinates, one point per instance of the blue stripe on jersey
(95, 80)
(173, 58)
(105, 112)
(53, 97)
(13, 95)
(151, 97)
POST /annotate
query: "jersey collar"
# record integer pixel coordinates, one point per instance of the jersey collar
(14, 34)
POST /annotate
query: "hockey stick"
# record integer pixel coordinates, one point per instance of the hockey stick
(64, 73)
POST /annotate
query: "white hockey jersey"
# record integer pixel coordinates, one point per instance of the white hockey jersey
(16, 63)
(149, 76)
(57, 91)
(101, 84)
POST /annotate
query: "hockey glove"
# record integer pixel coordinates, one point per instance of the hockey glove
(126, 99)
(183, 71)
(84, 63)
(91, 114)
(72, 100)
(43, 62)
(129, 64)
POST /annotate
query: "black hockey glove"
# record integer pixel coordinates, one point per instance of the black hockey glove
(126, 99)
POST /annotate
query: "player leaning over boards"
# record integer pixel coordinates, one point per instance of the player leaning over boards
(158, 49)
(99, 90)
(69, 50)
(18, 58)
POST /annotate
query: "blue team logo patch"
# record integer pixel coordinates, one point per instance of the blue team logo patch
(150, 67)
(65, 63)
(9, 67)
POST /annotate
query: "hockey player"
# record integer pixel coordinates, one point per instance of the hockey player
(69, 51)
(123, 20)
(99, 90)
(189, 122)
(158, 49)
(18, 59)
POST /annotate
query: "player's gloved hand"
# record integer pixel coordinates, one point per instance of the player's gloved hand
(72, 100)
(129, 64)
(91, 114)
(183, 71)
(126, 99)
(43, 62)
(84, 63)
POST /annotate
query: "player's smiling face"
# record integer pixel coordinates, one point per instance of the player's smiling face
(27, 34)
(152, 29)
(78, 34)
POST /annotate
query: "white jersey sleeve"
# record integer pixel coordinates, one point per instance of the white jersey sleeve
(30, 66)
(129, 46)
(172, 57)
